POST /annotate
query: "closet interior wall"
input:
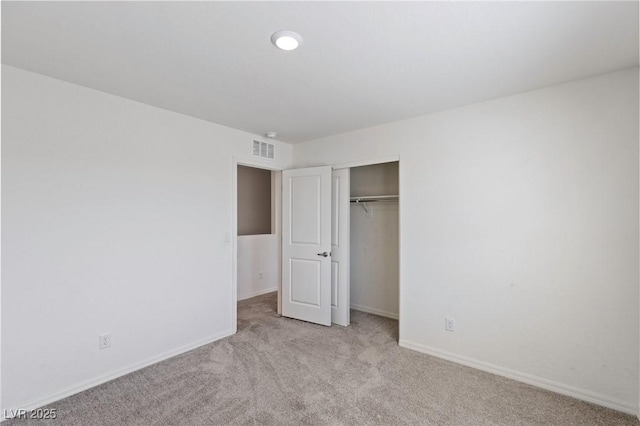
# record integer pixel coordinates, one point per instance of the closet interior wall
(374, 241)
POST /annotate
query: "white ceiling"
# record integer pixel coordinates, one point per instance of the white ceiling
(361, 64)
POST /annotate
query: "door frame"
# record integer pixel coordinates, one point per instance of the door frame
(382, 160)
(279, 167)
(276, 221)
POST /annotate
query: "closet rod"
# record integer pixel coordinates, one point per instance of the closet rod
(366, 199)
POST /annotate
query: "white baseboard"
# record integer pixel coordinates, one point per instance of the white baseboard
(257, 293)
(374, 311)
(530, 379)
(71, 390)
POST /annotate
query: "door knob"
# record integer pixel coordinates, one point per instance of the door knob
(323, 254)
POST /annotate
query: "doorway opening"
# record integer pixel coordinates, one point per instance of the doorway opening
(345, 223)
(340, 247)
(257, 265)
(374, 239)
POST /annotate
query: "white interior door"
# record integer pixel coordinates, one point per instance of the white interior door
(306, 244)
(340, 220)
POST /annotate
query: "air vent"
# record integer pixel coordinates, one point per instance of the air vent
(263, 149)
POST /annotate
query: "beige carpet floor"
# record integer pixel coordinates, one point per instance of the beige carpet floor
(286, 372)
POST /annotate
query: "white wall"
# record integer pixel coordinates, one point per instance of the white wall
(374, 261)
(256, 254)
(114, 219)
(519, 219)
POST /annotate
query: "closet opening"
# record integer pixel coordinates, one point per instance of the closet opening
(258, 236)
(374, 239)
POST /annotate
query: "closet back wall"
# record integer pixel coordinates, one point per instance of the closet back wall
(374, 241)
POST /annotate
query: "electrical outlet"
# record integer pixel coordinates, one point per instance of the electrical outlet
(261, 275)
(449, 324)
(105, 340)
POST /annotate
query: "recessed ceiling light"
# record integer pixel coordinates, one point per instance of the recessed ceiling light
(286, 40)
(271, 135)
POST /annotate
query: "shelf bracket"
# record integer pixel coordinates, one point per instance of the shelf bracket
(364, 205)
